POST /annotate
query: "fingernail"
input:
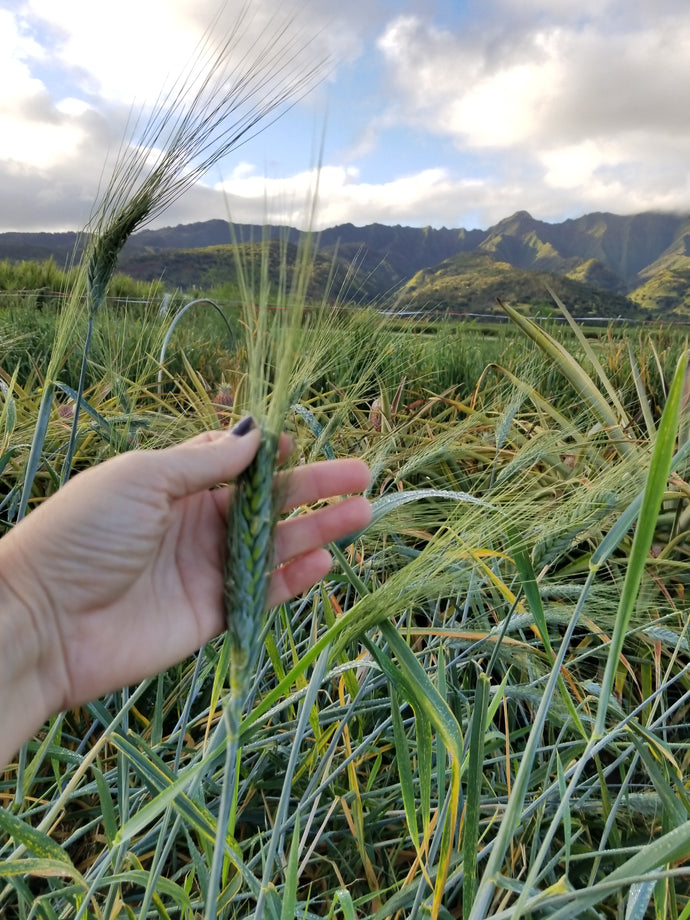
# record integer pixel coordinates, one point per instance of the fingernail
(243, 427)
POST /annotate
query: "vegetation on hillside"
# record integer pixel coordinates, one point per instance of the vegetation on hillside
(46, 284)
(606, 252)
(474, 283)
(667, 291)
(213, 270)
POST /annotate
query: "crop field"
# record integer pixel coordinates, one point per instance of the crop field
(482, 712)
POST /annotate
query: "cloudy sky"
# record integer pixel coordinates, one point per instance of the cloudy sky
(420, 112)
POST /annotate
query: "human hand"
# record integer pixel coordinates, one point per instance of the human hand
(120, 574)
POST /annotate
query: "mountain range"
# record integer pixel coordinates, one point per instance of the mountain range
(599, 264)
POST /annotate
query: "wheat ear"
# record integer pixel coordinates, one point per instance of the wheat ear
(251, 523)
(108, 243)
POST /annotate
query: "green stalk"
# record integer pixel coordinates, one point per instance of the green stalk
(105, 248)
(659, 469)
(37, 441)
(470, 837)
(249, 557)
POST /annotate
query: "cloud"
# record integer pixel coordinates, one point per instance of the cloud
(341, 194)
(583, 97)
(485, 92)
(60, 122)
(128, 52)
(454, 117)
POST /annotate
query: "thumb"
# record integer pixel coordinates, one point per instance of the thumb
(206, 460)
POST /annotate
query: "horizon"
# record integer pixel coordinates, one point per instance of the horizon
(449, 113)
(680, 215)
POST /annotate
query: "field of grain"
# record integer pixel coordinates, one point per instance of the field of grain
(483, 711)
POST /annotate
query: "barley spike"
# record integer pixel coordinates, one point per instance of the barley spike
(251, 522)
(109, 243)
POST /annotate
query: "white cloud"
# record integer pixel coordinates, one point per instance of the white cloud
(71, 106)
(16, 82)
(555, 107)
(123, 52)
(341, 194)
(33, 132)
(575, 165)
(128, 51)
(452, 85)
(563, 98)
(97, 64)
(503, 109)
(37, 144)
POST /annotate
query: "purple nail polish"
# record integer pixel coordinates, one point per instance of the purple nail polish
(243, 427)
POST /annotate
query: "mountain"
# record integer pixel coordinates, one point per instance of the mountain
(214, 269)
(643, 256)
(403, 250)
(624, 245)
(604, 264)
(473, 283)
(27, 247)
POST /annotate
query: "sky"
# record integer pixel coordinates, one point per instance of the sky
(442, 113)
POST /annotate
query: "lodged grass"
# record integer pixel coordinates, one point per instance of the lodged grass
(483, 629)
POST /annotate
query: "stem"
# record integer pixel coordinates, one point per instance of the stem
(71, 446)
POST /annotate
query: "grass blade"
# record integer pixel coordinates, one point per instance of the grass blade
(593, 360)
(404, 760)
(670, 848)
(659, 469)
(579, 379)
(641, 395)
(36, 842)
(289, 898)
(473, 793)
(35, 453)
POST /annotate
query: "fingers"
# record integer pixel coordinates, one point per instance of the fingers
(205, 460)
(307, 484)
(298, 576)
(302, 534)
(301, 539)
(212, 457)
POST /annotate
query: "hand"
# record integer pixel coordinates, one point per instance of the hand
(119, 575)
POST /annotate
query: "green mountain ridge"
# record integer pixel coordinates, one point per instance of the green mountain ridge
(214, 268)
(624, 245)
(639, 262)
(474, 283)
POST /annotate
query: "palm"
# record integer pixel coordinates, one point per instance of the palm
(133, 583)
